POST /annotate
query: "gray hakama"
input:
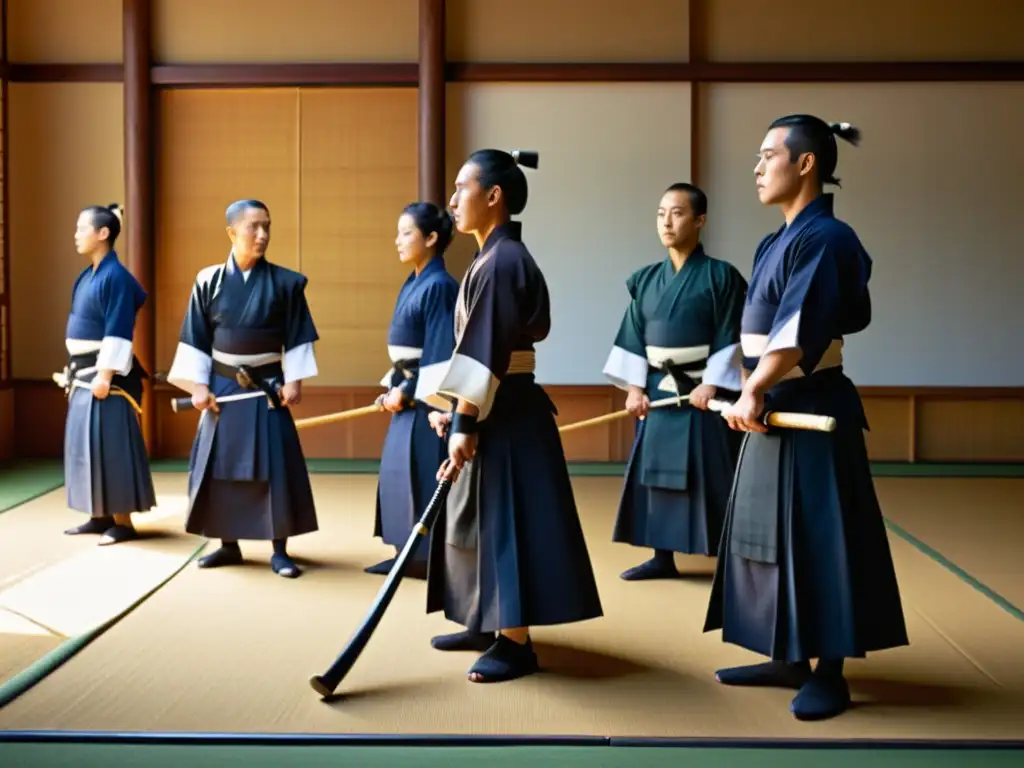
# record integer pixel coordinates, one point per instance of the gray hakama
(106, 467)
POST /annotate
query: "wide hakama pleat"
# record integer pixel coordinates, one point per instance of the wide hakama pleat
(826, 587)
(688, 521)
(248, 477)
(509, 551)
(106, 467)
(410, 458)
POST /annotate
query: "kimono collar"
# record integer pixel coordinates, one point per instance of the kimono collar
(819, 206)
(234, 268)
(434, 265)
(696, 256)
(510, 230)
(106, 261)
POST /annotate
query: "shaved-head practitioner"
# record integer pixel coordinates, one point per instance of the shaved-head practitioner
(678, 336)
(512, 554)
(804, 570)
(247, 473)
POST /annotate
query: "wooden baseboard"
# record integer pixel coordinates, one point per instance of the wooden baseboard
(7, 430)
(939, 424)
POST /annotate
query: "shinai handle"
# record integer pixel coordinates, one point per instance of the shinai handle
(620, 414)
(180, 404)
(786, 420)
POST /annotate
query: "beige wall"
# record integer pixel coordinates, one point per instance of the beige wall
(865, 30)
(335, 166)
(567, 30)
(251, 31)
(66, 152)
(64, 31)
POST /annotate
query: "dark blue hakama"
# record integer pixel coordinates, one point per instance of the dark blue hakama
(106, 466)
(805, 570)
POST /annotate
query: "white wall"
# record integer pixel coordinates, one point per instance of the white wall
(607, 152)
(934, 193)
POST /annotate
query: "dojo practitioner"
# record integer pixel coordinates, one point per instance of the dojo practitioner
(679, 335)
(805, 570)
(420, 343)
(106, 468)
(512, 553)
(247, 474)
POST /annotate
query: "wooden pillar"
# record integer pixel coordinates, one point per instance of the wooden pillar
(138, 166)
(698, 24)
(432, 102)
(5, 231)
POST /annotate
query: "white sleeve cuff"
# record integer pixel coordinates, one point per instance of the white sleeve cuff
(300, 363)
(190, 367)
(724, 369)
(428, 381)
(625, 369)
(785, 337)
(115, 355)
(466, 379)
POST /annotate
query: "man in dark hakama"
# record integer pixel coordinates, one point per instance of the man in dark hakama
(512, 553)
(805, 571)
(247, 332)
(106, 468)
(679, 336)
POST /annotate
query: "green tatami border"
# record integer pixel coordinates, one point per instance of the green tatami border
(24, 480)
(609, 755)
(42, 667)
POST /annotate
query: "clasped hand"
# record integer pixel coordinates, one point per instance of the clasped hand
(745, 414)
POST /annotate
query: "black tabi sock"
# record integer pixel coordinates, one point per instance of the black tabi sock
(505, 660)
(463, 641)
(661, 566)
(770, 674)
(119, 533)
(228, 554)
(92, 525)
(824, 695)
(281, 563)
(829, 667)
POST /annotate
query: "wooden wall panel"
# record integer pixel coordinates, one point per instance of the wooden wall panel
(66, 152)
(866, 30)
(890, 420)
(64, 31)
(567, 30)
(218, 146)
(970, 429)
(272, 31)
(358, 170)
(952, 425)
(6, 423)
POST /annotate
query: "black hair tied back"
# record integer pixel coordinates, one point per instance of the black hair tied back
(526, 157)
(846, 132)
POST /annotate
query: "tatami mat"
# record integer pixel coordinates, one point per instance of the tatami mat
(978, 524)
(55, 587)
(231, 651)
